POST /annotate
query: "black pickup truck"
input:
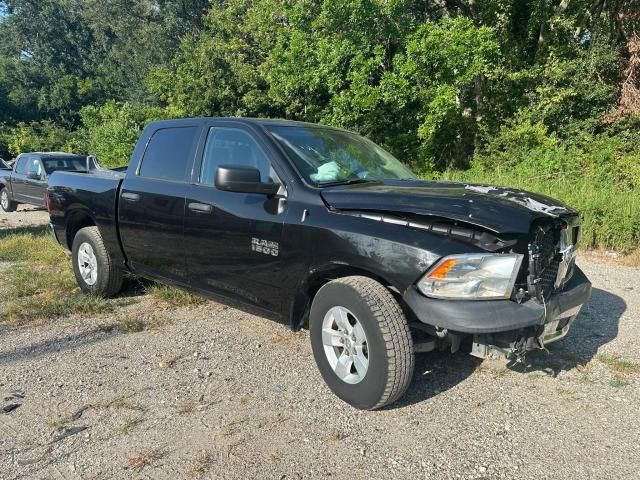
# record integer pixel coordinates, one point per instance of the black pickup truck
(317, 226)
(26, 181)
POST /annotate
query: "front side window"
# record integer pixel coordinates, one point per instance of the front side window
(233, 147)
(21, 166)
(168, 153)
(35, 166)
(326, 156)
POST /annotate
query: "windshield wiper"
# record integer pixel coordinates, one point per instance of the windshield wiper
(349, 181)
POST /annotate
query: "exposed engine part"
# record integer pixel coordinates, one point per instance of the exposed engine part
(515, 352)
(483, 350)
(456, 340)
(425, 346)
(428, 339)
(551, 257)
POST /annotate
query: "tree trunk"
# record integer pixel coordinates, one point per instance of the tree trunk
(544, 28)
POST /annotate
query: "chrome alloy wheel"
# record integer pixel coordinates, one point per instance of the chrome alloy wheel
(4, 199)
(88, 264)
(345, 345)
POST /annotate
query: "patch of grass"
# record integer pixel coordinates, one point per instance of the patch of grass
(41, 285)
(60, 422)
(140, 460)
(51, 304)
(618, 382)
(201, 464)
(174, 296)
(129, 424)
(186, 408)
(336, 436)
(33, 244)
(128, 323)
(25, 280)
(169, 359)
(135, 321)
(121, 402)
(232, 427)
(619, 364)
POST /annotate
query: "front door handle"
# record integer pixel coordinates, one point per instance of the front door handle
(200, 207)
(131, 197)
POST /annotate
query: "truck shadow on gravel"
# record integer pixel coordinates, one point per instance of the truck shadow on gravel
(596, 326)
(56, 345)
(435, 373)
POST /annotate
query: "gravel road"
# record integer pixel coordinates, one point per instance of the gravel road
(25, 216)
(212, 392)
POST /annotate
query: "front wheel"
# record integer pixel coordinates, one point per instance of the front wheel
(6, 203)
(92, 265)
(361, 342)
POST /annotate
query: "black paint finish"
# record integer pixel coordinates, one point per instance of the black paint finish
(270, 253)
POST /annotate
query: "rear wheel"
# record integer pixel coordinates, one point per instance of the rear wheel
(361, 342)
(6, 203)
(93, 267)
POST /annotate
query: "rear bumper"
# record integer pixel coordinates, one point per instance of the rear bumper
(496, 316)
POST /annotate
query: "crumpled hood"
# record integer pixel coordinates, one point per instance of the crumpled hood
(501, 210)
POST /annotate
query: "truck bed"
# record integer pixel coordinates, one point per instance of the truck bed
(93, 193)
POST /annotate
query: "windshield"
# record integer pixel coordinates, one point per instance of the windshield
(325, 156)
(64, 163)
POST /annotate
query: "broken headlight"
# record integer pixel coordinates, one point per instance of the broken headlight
(478, 276)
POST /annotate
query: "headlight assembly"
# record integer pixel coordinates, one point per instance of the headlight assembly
(482, 276)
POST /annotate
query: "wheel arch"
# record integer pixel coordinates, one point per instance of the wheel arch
(5, 184)
(300, 306)
(77, 220)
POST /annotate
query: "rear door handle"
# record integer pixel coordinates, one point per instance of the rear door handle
(200, 207)
(131, 197)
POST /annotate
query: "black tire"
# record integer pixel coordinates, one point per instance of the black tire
(389, 343)
(6, 203)
(109, 277)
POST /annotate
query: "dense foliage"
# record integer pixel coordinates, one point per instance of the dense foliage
(542, 94)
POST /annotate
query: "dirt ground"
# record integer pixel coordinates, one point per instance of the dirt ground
(211, 392)
(25, 216)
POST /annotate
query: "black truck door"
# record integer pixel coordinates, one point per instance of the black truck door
(233, 239)
(152, 200)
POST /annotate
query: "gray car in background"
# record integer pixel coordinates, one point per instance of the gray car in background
(26, 180)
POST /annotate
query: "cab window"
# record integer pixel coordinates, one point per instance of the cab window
(233, 147)
(169, 153)
(21, 165)
(35, 166)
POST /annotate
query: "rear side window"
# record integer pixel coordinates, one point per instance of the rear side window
(168, 153)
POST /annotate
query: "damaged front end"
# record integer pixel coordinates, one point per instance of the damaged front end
(549, 270)
(510, 233)
(547, 296)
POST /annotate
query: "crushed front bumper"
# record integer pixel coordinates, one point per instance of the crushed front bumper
(505, 324)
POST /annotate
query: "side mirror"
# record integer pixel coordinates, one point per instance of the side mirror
(243, 180)
(34, 176)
